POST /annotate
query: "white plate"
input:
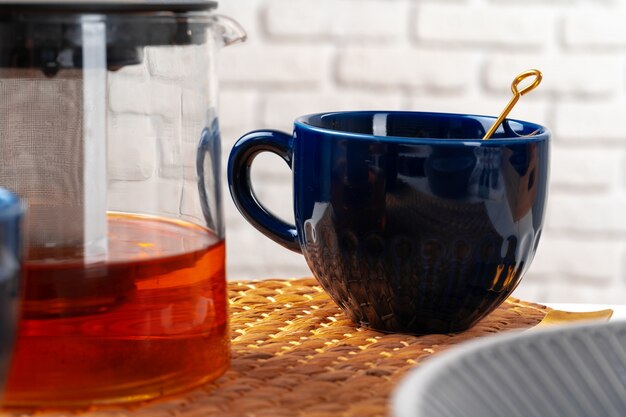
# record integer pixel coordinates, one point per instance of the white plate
(570, 371)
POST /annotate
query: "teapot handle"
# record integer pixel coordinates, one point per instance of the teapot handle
(231, 31)
(239, 166)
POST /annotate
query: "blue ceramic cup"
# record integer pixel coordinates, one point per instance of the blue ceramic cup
(10, 261)
(408, 220)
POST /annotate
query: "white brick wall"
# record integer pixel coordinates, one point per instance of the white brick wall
(466, 24)
(283, 19)
(307, 56)
(405, 67)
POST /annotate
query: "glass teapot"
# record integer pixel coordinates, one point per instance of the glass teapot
(109, 133)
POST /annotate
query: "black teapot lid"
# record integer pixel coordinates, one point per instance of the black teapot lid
(108, 6)
(34, 33)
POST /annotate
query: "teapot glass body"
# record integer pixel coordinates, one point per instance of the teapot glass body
(109, 133)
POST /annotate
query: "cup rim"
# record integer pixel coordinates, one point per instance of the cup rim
(303, 122)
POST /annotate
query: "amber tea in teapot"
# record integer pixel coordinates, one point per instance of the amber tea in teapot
(150, 315)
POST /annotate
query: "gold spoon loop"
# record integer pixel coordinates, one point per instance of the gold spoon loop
(516, 95)
(516, 82)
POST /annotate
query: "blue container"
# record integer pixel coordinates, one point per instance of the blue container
(10, 268)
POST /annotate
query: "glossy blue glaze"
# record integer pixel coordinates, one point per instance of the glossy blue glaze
(10, 261)
(410, 221)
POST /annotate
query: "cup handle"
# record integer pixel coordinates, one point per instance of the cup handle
(239, 163)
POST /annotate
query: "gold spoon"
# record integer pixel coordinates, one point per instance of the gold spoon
(555, 317)
(516, 96)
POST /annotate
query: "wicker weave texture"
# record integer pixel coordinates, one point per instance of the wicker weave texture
(296, 354)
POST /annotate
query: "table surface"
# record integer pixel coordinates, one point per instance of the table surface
(294, 353)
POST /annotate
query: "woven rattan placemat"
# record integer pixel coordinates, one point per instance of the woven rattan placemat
(296, 354)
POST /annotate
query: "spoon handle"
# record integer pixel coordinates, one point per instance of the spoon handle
(516, 96)
(563, 317)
